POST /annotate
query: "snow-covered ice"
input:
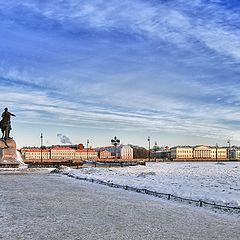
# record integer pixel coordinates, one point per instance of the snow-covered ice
(212, 182)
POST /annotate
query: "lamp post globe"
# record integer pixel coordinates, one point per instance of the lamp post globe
(115, 142)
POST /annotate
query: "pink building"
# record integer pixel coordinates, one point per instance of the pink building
(105, 154)
(86, 154)
(62, 153)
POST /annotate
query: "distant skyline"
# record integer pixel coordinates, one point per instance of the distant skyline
(95, 69)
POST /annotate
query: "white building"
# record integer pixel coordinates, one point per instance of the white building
(127, 152)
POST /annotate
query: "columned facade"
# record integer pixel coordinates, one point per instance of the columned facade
(184, 153)
(202, 152)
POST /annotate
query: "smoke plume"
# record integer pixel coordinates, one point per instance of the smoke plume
(64, 139)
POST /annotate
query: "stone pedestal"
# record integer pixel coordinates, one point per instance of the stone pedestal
(8, 153)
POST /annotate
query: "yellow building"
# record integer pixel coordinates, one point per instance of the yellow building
(36, 154)
(62, 153)
(199, 153)
(59, 153)
(219, 153)
(182, 152)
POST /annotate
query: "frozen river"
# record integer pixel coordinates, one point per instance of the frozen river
(207, 181)
(47, 206)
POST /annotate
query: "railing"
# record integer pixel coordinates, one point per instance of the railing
(53, 164)
(167, 196)
(114, 163)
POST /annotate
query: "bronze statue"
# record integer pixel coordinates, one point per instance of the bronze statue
(6, 123)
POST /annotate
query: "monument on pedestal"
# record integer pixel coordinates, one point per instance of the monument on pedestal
(8, 151)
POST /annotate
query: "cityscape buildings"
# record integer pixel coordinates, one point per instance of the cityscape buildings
(70, 153)
(199, 153)
(126, 152)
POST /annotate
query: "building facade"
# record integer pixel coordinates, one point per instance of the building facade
(202, 152)
(181, 152)
(62, 153)
(235, 154)
(127, 152)
(85, 154)
(36, 154)
(59, 153)
(104, 154)
(199, 153)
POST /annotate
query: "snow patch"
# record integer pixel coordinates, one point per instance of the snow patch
(210, 182)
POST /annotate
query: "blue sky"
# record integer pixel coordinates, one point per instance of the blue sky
(96, 69)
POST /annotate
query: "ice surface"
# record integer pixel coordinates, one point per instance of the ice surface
(212, 182)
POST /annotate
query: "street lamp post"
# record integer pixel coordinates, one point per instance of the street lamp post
(115, 142)
(149, 143)
(41, 141)
(155, 150)
(216, 152)
(229, 147)
(87, 147)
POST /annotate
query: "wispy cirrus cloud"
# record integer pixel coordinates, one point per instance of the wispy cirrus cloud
(184, 117)
(156, 66)
(178, 22)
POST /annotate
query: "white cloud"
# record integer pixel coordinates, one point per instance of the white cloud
(162, 114)
(168, 22)
(112, 103)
